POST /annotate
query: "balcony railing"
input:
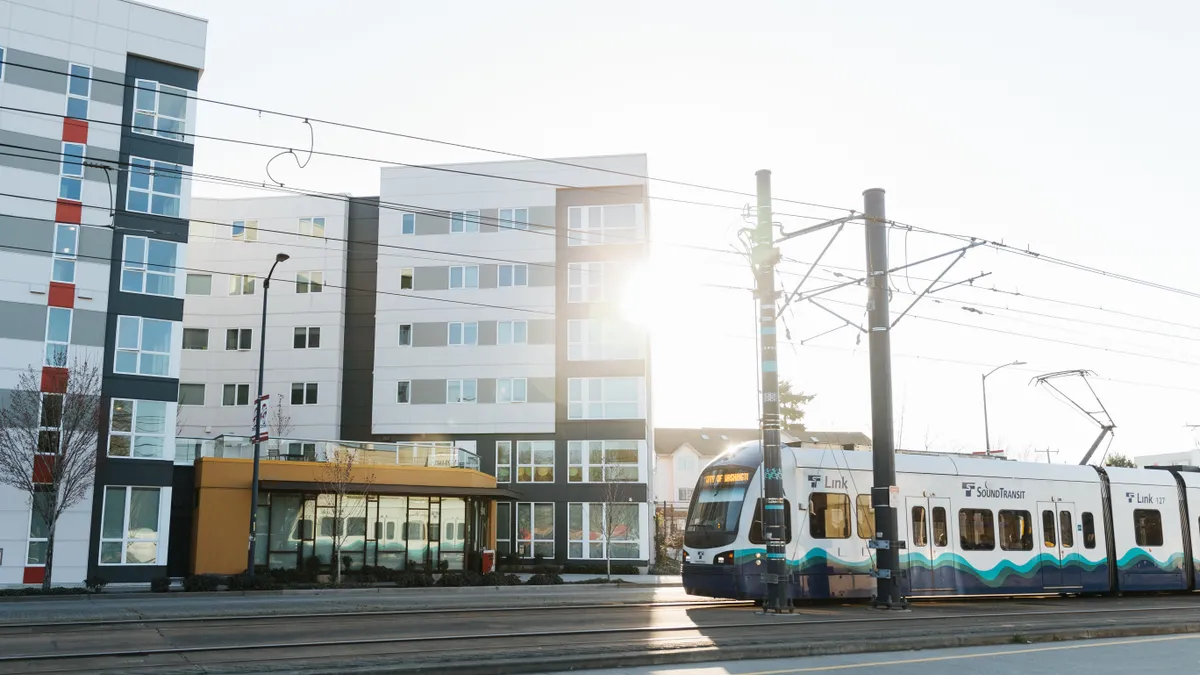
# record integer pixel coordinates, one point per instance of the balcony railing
(429, 454)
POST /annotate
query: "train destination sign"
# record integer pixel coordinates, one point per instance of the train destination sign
(727, 478)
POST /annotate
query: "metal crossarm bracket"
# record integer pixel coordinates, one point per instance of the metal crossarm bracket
(961, 252)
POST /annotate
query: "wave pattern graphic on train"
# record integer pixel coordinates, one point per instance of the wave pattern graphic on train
(971, 526)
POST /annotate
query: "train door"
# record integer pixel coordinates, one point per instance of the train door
(1058, 543)
(929, 539)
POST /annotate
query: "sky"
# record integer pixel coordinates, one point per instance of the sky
(1067, 129)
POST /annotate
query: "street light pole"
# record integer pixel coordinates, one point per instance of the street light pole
(987, 434)
(262, 354)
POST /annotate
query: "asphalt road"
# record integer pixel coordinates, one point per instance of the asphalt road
(1174, 654)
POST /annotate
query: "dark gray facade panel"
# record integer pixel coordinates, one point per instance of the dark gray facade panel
(35, 75)
(358, 359)
(578, 430)
(542, 275)
(28, 236)
(622, 368)
(485, 388)
(489, 276)
(487, 220)
(95, 243)
(427, 392)
(153, 147)
(431, 224)
(23, 321)
(487, 333)
(107, 87)
(138, 304)
(31, 153)
(599, 196)
(541, 331)
(137, 386)
(137, 67)
(87, 327)
(433, 334)
(431, 278)
(540, 389)
(146, 224)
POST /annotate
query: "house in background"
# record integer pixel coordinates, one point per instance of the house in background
(1184, 458)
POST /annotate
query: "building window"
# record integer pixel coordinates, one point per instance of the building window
(149, 266)
(58, 336)
(511, 390)
(1016, 530)
(50, 425)
(245, 230)
(159, 110)
(535, 461)
(513, 275)
(129, 526)
(604, 398)
(309, 282)
(503, 461)
(66, 245)
(408, 223)
(1, 64)
(463, 334)
(512, 332)
(241, 284)
(199, 284)
(404, 391)
(603, 340)
(195, 338)
(976, 530)
(461, 391)
(307, 338)
(406, 279)
(405, 335)
(39, 531)
(685, 494)
(235, 394)
(503, 528)
(238, 339)
(137, 428)
(593, 526)
(79, 91)
(464, 276)
(312, 227)
(143, 346)
(192, 394)
(1147, 527)
(611, 224)
(585, 282)
(829, 515)
(464, 222)
(535, 530)
(514, 219)
(304, 393)
(154, 187)
(70, 183)
(604, 461)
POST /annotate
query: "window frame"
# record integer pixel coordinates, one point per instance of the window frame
(71, 96)
(70, 180)
(462, 386)
(249, 230)
(406, 387)
(511, 220)
(469, 222)
(514, 270)
(504, 448)
(155, 114)
(580, 408)
(598, 339)
(125, 540)
(142, 320)
(603, 538)
(57, 353)
(581, 288)
(813, 520)
(312, 227)
(65, 255)
(408, 279)
(754, 534)
(532, 541)
(133, 434)
(187, 283)
(1141, 535)
(405, 218)
(582, 232)
(194, 332)
(989, 527)
(310, 281)
(464, 327)
(36, 513)
(306, 334)
(532, 466)
(1023, 544)
(514, 383)
(239, 282)
(858, 517)
(239, 333)
(506, 332)
(145, 267)
(151, 168)
(203, 393)
(464, 274)
(237, 389)
(1088, 522)
(579, 459)
(400, 334)
(309, 393)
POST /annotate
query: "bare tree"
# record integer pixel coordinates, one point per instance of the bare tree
(48, 444)
(613, 529)
(344, 482)
(279, 423)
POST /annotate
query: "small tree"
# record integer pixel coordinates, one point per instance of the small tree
(1117, 459)
(279, 423)
(337, 478)
(48, 444)
(790, 406)
(614, 495)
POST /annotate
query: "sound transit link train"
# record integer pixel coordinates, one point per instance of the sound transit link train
(971, 526)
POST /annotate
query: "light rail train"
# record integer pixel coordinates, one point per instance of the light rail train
(971, 526)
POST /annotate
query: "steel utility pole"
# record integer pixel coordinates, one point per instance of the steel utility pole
(765, 255)
(883, 444)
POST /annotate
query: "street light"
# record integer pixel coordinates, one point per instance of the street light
(986, 434)
(262, 353)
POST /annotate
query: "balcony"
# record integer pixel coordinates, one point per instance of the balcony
(443, 454)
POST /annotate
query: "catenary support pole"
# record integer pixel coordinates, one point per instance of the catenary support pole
(987, 435)
(765, 256)
(883, 453)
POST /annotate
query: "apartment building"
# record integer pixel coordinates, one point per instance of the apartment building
(93, 239)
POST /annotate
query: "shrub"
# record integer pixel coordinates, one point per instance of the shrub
(665, 566)
(411, 579)
(547, 569)
(56, 590)
(312, 568)
(95, 584)
(160, 584)
(467, 578)
(499, 579)
(512, 579)
(598, 568)
(258, 582)
(201, 583)
(544, 580)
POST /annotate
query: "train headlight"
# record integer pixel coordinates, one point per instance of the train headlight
(725, 558)
(685, 555)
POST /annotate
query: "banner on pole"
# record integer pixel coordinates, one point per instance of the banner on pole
(260, 418)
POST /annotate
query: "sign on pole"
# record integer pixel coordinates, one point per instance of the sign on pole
(260, 418)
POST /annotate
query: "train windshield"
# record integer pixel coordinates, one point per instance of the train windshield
(717, 506)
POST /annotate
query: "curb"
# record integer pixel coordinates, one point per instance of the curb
(550, 663)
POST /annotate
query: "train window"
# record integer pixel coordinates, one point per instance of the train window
(1048, 527)
(920, 530)
(306, 529)
(1089, 530)
(976, 530)
(391, 530)
(756, 533)
(866, 516)
(941, 533)
(1066, 528)
(1147, 527)
(1016, 531)
(829, 515)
